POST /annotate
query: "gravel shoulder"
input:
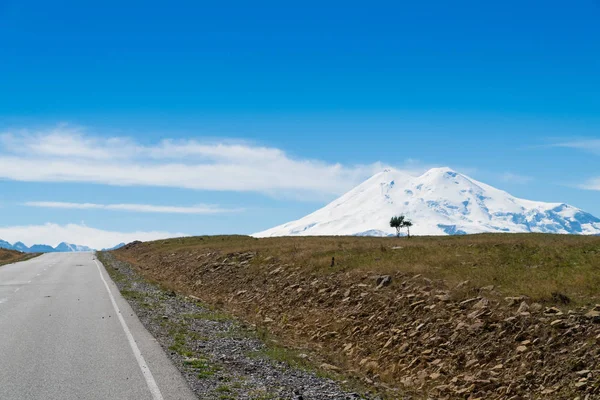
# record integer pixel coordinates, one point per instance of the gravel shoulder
(220, 357)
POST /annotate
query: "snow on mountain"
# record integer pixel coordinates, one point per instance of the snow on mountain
(43, 248)
(20, 246)
(439, 202)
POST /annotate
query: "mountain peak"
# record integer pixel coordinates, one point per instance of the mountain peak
(69, 247)
(440, 170)
(445, 172)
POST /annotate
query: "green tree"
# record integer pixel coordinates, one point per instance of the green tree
(398, 223)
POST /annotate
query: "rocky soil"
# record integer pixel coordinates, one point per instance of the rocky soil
(220, 357)
(406, 336)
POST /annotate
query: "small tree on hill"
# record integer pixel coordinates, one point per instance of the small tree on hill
(398, 223)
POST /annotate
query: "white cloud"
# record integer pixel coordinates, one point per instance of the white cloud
(68, 154)
(65, 141)
(590, 145)
(515, 178)
(144, 208)
(591, 184)
(53, 234)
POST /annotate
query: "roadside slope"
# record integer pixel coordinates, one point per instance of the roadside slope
(13, 256)
(491, 316)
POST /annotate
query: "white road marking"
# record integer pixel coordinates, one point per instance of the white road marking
(156, 395)
(17, 289)
(3, 300)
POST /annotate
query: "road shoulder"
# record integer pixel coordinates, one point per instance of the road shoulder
(219, 357)
(167, 377)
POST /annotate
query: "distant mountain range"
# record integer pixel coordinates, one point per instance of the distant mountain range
(439, 202)
(44, 248)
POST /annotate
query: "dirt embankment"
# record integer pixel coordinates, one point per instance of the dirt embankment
(12, 256)
(410, 335)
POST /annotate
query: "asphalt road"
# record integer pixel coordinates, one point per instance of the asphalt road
(61, 336)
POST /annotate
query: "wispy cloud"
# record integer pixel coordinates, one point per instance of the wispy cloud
(591, 184)
(515, 178)
(143, 208)
(67, 154)
(53, 234)
(589, 145)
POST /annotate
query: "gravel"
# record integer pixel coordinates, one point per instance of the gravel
(220, 357)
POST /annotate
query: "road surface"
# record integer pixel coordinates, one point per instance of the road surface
(66, 333)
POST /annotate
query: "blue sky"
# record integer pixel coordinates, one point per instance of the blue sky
(238, 116)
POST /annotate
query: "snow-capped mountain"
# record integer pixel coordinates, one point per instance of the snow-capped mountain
(20, 246)
(439, 202)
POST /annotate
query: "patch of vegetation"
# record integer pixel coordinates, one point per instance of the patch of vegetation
(180, 343)
(196, 337)
(133, 294)
(210, 316)
(116, 275)
(223, 389)
(291, 357)
(202, 366)
(262, 395)
(147, 305)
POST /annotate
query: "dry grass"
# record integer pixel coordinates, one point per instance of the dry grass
(535, 265)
